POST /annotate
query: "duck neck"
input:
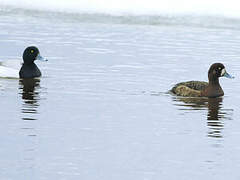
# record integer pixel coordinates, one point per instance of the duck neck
(28, 63)
(213, 81)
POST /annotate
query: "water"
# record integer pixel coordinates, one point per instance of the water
(101, 109)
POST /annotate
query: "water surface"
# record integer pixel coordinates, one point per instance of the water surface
(101, 109)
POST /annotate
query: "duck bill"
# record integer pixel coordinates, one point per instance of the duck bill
(225, 74)
(39, 57)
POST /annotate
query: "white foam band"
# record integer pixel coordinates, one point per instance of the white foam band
(144, 7)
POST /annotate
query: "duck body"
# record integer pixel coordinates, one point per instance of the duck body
(27, 69)
(7, 72)
(212, 91)
(203, 89)
(189, 88)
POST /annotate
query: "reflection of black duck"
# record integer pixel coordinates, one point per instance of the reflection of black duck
(28, 87)
(30, 96)
(203, 89)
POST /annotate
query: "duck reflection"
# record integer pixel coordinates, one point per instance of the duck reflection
(216, 114)
(30, 96)
(29, 91)
(215, 117)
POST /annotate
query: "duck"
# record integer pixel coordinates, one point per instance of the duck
(210, 89)
(26, 69)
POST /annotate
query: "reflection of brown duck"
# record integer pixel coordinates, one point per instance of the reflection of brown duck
(214, 104)
(192, 102)
(215, 115)
(203, 89)
(214, 122)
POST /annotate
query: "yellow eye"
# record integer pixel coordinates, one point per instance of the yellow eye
(32, 51)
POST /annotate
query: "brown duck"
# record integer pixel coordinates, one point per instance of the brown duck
(203, 89)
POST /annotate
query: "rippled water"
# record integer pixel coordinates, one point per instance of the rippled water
(101, 109)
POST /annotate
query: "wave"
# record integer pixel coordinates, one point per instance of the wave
(223, 8)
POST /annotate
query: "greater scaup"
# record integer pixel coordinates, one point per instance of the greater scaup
(28, 69)
(203, 89)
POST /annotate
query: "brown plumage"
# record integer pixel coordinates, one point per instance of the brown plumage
(203, 89)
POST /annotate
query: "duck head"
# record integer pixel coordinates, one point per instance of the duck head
(216, 71)
(31, 54)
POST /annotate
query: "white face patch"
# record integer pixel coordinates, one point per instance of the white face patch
(223, 71)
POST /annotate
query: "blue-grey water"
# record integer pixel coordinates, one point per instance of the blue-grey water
(101, 110)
